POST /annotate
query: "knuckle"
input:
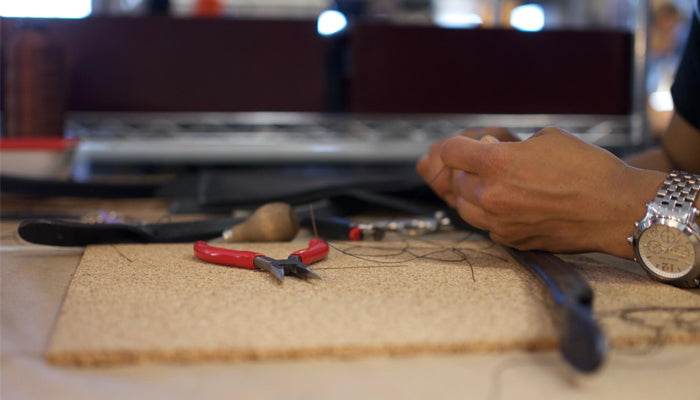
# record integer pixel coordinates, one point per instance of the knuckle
(550, 130)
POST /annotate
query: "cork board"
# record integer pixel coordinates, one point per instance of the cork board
(135, 303)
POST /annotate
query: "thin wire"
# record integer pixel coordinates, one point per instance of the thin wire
(421, 192)
(313, 219)
(437, 175)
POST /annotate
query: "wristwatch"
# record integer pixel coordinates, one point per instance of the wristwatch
(667, 240)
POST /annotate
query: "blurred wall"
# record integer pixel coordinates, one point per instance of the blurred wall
(160, 63)
(168, 64)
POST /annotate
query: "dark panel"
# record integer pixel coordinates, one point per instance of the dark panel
(425, 69)
(168, 64)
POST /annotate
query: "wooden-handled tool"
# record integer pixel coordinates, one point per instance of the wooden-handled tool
(270, 223)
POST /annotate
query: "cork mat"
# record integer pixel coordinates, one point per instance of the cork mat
(135, 303)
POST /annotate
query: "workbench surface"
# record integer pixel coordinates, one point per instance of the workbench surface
(35, 279)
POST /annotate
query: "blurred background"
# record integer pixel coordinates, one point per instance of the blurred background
(161, 85)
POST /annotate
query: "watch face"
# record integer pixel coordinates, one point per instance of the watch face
(667, 251)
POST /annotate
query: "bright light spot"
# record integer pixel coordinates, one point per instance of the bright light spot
(330, 22)
(661, 101)
(46, 8)
(528, 17)
(458, 20)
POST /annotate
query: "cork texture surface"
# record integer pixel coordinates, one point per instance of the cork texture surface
(136, 303)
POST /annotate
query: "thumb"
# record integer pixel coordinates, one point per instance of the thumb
(463, 153)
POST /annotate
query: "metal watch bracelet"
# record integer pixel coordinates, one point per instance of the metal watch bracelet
(678, 192)
(672, 210)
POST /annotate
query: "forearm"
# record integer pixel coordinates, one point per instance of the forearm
(654, 159)
(680, 150)
(681, 144)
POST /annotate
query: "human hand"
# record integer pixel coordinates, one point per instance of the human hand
(550, 192)
(439, 177)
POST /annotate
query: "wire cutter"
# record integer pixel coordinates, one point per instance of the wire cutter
(295, 264)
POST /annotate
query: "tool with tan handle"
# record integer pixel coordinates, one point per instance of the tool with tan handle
(272, 222)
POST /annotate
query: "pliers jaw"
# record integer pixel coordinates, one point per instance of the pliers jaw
(289, 266)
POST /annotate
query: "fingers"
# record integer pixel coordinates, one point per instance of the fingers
(423, 167)
(472, 214)
(451, 168)
(468, 155)
(468, 186)
(434, 172)
(458, 153)
(429, 165)
(468, 189)
(464, 152)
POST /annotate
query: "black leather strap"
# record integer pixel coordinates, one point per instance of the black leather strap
(58, 232)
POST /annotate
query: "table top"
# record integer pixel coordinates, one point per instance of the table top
(34, 280)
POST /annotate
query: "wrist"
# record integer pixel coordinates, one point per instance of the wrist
(639, 187)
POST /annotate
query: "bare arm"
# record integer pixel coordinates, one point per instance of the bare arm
(680, 150)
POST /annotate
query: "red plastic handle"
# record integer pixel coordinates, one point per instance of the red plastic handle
(317, 251)
(217, 255)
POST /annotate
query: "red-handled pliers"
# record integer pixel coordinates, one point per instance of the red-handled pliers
(295, 264)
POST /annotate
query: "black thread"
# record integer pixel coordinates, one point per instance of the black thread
(122, 254)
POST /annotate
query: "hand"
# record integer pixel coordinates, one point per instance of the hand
(438, 176)
(551, 192)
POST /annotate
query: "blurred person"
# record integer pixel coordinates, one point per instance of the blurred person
(666, 35)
